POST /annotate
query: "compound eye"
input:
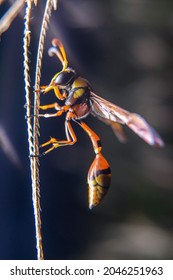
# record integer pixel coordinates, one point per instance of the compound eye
(64, 78)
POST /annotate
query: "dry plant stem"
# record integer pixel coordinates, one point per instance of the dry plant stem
(34, 177)
(10, 15)
(36, 187)
(26, 43)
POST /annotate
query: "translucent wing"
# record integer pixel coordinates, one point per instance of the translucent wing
(116, 117)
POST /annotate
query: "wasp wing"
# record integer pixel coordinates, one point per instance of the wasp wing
(115, 117)
(116, 127)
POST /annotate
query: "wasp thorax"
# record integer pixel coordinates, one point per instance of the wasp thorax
(65, 77)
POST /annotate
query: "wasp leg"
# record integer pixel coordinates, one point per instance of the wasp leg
(71, 137)
(53, 87)
(60, 109)
(42, 88)
(55, 105)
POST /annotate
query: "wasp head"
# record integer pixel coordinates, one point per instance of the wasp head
(64, 78)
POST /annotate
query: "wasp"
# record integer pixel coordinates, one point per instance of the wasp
(80, 101)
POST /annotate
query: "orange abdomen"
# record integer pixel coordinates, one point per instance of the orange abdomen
(99, 179)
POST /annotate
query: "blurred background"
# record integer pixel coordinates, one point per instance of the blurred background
(125, 49)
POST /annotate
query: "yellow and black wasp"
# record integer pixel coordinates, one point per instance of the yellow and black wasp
(79, 102)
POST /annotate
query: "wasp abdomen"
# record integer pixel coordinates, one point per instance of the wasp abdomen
(99, 179)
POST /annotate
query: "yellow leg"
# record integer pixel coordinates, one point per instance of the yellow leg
(60, 109)
(56, 106)
(54, 87)
(57, 92)
(71, 137)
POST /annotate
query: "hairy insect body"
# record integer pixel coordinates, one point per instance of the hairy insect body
(80, 101)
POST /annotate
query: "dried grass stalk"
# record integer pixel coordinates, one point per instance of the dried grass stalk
(45, 21)
(34, 177)
(33, 130)
(10, 15)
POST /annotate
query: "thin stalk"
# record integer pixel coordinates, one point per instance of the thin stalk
(35, 184)
(33, 130)
(36, 178)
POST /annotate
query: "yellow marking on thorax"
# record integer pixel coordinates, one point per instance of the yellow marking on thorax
(79, 92)
(81, 84)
